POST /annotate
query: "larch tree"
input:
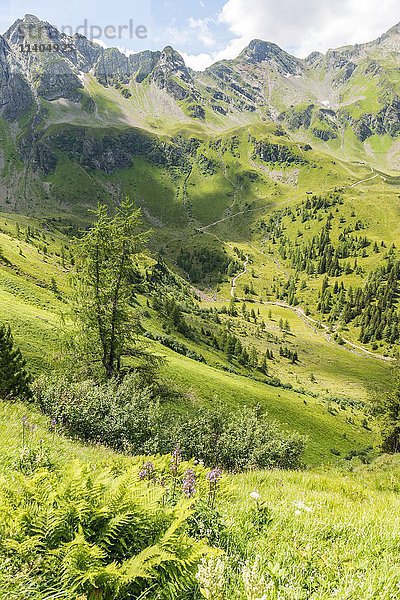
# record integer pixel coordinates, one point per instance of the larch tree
(106, 263)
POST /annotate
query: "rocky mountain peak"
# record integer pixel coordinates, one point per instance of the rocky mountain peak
(170, 64)
(389, 41)
(171, 59)
(258, 52)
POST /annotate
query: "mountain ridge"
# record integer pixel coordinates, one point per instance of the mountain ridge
(263, 81)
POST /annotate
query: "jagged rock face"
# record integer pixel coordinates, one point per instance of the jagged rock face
(112, 66)
(389, 41)
(296, 119)
(15, 94)
(386, 120)
(258, 52)
(263, 79)
(87, 52)
(143, 63)
(172, 75)
(52, 73)
(107, 153)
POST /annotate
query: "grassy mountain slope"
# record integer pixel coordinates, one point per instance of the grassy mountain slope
(324, 532)
(328, 409)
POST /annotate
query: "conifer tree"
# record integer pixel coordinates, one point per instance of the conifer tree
(14, 378)
(106, 263)
(387, 408)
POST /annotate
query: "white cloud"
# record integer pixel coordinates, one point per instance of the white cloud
(175, 36)
(308, 25)
(300, 27)
(197, 62)
(204, 35)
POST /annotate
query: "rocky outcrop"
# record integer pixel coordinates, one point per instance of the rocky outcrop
(324, 134)
(108, 152)
(15, 94)
(295, 119)
(265, 52)
(275, 153)
(143, 64)
(172, 75)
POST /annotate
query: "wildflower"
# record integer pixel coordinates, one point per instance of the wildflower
(54, 422)
(302, 507)
(189, 483)
(255, 495)
(214, 476)
(211, 577)
(175, 461)
(254, 583)
(177, 454)
(147, 471)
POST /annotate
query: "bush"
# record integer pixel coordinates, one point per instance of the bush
(124, 416)
(242, 440)
(133, 418)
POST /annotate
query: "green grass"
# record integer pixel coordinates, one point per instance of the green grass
(325, 431)
(29, 304)
(321, 533)
(344, 545)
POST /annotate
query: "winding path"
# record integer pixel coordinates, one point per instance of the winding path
(234, 279)
(300, 312)
(349, 345)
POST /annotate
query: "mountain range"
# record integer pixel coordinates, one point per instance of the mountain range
(320, 96)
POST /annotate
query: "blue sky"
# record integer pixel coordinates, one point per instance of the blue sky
(208, 30)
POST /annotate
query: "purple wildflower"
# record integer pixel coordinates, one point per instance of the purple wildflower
(177, 454)
(147, 471)
(54, 422)
(175, 461)
(214, 476)
(189, 483)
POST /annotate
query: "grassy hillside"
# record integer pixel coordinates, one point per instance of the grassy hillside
(237, 199)
(315, 534)
(328, 410)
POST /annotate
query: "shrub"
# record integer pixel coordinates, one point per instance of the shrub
(123, 415)
(133, 418)
(241, 440)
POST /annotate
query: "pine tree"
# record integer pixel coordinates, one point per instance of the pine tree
(14, 379)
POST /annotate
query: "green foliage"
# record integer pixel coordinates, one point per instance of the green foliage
(102, 288)
(387, 408)
(237, 441)
(205, 265)
(123, 415)
(96, 533)
(14, 378)
(133, 417)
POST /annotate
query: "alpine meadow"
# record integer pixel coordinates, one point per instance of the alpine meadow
(199, 321)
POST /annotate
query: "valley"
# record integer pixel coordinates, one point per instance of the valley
(211, 376)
